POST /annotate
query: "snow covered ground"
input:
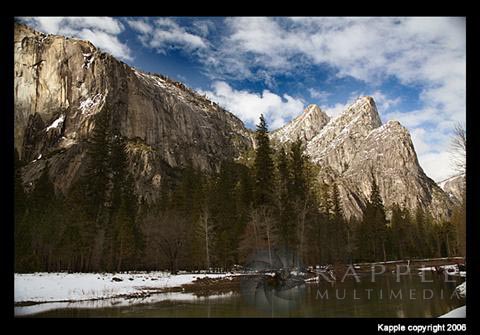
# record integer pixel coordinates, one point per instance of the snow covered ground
(460, 312)
(114, 302)
(78, 289)
(462, 289)
(452, 270)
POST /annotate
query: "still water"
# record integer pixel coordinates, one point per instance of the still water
(385, 297)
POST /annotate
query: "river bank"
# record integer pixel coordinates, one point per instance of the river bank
(37, 292)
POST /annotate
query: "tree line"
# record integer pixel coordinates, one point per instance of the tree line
(211, 220)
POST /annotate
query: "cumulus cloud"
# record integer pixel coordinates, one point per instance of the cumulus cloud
(141, 26)
(430, 144)
(319, 95)
(164, 33)
(335, 110)
(437, 165)
(101, 31)
(420, 51)
(411, 49)
(249, 105)
(418, 138)
(383, 102)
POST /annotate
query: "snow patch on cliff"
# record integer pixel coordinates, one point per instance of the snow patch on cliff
(56, 123)
(88, 104)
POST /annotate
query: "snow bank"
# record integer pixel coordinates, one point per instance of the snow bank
(460, 312)
(462, 289)
(452, 270)
(57, 287)
(115, 302)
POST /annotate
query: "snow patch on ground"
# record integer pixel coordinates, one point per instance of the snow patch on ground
(115, 302)
(68, 287)
(460, 312)
(462, 289)
(452, 270)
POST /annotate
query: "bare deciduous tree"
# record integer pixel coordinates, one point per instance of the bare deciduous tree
(458, 147)
(205, 231)
(170, 237)
(260, 232)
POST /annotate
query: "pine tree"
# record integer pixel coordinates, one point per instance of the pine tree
(399, 234)
(127, 244)
(298, 168)
(20, 196)
(98, 172)
(339, 228)
(264, 167)
(426, 238)
(38, 226)
(22, 231)
(79, 231)
(375, 225)
(300, 194)
(286, 219)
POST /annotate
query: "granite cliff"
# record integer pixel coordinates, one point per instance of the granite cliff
(355, 147)
(62, 83)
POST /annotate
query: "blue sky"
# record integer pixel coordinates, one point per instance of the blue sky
(415, 67)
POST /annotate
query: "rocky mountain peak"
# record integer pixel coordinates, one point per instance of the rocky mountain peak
(312, 108)
(303, 127)
(339, 139)
(351, 146)
(362, 111)
(454, 187)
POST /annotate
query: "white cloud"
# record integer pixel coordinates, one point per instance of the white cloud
(384, 103)
(414, 118)
(101, 31)
(437, 165)
(106, 42)
(419, 142)
(249, 105)
(320, 95)
(141, 26)
(429, 52)
(203, 27)
(164, 33)
(335, 110)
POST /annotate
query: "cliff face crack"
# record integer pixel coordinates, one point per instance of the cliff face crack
(38, 63)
